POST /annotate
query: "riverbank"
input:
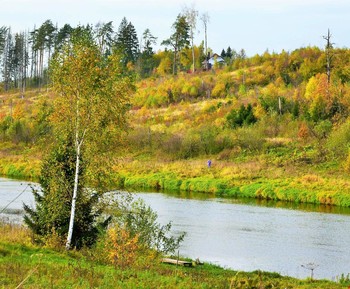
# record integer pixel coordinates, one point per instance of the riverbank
(244, 179)
(223, 179)
(36, 267)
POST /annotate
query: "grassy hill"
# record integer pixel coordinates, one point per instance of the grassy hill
(272, 125)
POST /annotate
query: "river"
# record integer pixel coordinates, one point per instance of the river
(242, 235)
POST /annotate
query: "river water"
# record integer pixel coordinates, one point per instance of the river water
(242, 235)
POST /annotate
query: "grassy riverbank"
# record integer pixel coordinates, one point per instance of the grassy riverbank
(232, 179)
(245, 179)
(31, 266)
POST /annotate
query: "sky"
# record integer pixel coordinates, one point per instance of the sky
(252, 25)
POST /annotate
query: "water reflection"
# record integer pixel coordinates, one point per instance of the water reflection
(328, 209)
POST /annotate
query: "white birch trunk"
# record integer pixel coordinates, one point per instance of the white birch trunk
(193, 69)
(78, 144)
(74, 199)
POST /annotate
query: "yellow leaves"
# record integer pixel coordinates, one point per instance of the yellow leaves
(19, 110)
(219, 90)
(93, 91)
(271, 90)
(165, 66)
(121, 247)
(303, 132)
(259, 111)
(317, 87)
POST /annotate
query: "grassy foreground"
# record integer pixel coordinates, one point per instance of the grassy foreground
(24, 265)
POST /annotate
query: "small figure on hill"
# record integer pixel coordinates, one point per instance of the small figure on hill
(209, 163)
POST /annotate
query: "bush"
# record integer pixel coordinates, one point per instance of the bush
(191, 145)
(138, 224)
(250, 139)
(244, 116)
(339, 139)
(172, 144)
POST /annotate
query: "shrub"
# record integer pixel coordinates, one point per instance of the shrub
(138, 224)
(172, 144)
(219, 90)
(339, 139)
(121, 247)
(250, 139)
(191, 145)
(244, 116)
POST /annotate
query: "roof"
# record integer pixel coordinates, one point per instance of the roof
(216, 59)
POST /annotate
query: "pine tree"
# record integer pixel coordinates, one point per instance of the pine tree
(127, 42)
(223, 53)
(229, 53)
(146, 60)
(179, 39)
(63, 36)
(53, 203)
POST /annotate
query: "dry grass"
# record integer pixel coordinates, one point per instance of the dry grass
(14, 233)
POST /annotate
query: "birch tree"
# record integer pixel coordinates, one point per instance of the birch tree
(3, 31)
(205, 20)
(104, 35)
(93, 95)
(191, 16)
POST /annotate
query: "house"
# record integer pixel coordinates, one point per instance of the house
(213, 60)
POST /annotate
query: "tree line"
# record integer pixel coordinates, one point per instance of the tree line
(25, 56)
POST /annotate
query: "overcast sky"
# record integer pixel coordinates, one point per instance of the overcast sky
(254, 25)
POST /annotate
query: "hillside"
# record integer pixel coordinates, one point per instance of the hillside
(273, 126)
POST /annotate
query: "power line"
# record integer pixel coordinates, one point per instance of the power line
(14, 199)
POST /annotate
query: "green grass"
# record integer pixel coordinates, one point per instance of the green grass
(21, 262)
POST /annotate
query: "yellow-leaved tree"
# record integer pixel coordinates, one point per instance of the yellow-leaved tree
(92, 99)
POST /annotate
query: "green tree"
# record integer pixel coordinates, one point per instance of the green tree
(126, 42)
(147, 61)
(179, 39)
(104, 36)
(19, 61)
(223, 53)
(50, 217)
(140, 220)
(93, 96)
(243, 116)
(63, 36)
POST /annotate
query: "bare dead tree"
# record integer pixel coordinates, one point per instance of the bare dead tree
(191, 16)
(205, 20)
(329, 55)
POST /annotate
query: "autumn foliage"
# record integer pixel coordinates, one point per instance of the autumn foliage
(121, 247)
